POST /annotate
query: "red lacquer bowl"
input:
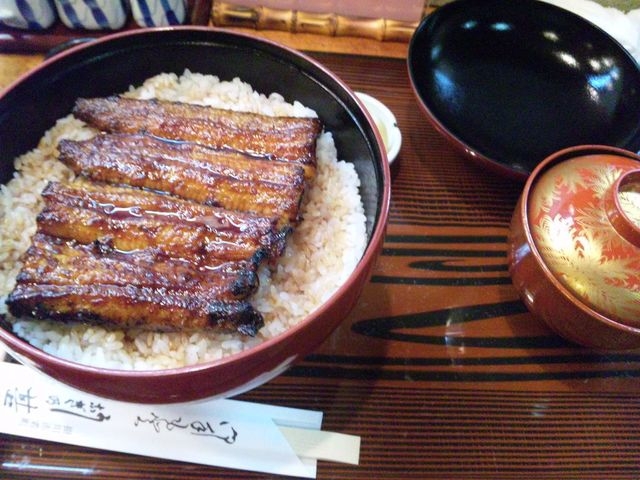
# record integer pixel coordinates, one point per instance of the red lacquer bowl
(575, 245)
(109, 65)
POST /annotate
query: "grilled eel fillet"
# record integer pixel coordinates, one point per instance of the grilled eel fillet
(123, 256)
(67, 281)
(282, 138)
(129, 219)
(224, 178)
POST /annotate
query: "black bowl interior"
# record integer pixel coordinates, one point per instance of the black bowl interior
(514, 82)
(110, 66)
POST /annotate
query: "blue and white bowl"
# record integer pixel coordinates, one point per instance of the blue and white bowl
(92, 14)
(158, 13)
(27, 14)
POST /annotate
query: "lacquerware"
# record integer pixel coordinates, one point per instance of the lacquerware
(107, 66)
(575, 245)
(509, 83)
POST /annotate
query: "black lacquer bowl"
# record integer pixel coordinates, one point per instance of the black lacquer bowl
(110, 65)
(510, 82)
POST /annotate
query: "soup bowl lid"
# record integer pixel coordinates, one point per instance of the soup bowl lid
(583, 212)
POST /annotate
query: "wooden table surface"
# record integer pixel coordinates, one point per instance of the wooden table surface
(440, 369)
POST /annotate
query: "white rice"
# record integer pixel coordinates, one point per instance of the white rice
(320, 255)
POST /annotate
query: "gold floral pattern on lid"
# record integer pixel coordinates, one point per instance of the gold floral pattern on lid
(584, 215)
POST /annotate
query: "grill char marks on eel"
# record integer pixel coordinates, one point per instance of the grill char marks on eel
(224, 178)
(290, 139)
(174, 209)
(128, 257)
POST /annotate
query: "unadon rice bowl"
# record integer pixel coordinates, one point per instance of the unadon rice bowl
(321, 253)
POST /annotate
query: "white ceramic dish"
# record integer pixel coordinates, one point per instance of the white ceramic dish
(386, 122)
